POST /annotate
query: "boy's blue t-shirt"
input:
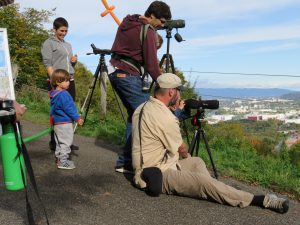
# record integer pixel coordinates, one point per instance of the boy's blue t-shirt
(63, 108)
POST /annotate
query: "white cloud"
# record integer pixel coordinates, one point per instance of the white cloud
(280, 47)
(84, 17)
(215, 45)
(248, 35)
(205, 10)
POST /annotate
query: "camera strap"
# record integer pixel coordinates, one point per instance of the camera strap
(143, 35)
(140, 135)
(23, 150)
(152, 176)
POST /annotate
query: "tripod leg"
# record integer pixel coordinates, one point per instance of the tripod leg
(87, 101)
(186, 132)
(198, 144)
(193, 143)
(103, 69)
(103, 97)
(118, 102)
(91, 95)
(161, 62)
(172, 63)
(209, 154)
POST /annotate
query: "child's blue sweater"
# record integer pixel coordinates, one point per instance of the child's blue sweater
(63, 109)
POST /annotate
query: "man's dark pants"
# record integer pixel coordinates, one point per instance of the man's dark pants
(129, 89)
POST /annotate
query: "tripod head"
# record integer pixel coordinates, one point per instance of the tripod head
(170, 24)
(198, 117)
(97, 51)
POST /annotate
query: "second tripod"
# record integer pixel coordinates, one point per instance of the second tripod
(100, 73)
(197, 120)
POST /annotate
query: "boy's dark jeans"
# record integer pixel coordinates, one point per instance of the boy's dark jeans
(129, 89)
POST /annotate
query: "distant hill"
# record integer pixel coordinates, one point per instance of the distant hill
(292, 96)
(207, 93)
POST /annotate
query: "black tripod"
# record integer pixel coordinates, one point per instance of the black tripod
(199, 132)
(167, 57)
(102, 71)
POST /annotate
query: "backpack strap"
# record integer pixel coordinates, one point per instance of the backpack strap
(143, 33)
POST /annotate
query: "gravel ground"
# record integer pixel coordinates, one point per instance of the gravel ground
(94, 194)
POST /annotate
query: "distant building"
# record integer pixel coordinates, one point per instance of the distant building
(254, 118)
(297, 121)
(218, 118)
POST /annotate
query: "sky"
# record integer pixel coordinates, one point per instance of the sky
(226, 36)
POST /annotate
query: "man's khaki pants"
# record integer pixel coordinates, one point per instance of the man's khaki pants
(194, 180)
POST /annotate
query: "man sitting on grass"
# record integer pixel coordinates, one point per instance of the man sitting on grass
(157, 146)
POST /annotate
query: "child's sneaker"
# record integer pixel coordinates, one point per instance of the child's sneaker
(66, 165)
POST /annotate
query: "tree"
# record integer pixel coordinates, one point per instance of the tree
(230, 134)
(25, 36)
(6, 2)
(266, 146)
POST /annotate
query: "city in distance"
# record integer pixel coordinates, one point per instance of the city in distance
(253, 104)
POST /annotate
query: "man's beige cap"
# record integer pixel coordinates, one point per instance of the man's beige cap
(169, 80)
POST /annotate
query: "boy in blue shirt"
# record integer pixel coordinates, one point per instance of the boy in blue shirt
(63, 113)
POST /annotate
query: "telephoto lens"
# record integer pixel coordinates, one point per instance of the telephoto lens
(170, 24)
(201, 104)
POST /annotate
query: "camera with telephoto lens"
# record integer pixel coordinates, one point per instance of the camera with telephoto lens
(201, 104)
(170, 24)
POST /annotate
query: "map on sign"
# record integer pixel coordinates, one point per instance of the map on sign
(6, 80)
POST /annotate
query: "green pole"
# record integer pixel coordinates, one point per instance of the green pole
(37, 135)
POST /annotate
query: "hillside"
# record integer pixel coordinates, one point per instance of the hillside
(207, 93)
(292, 96)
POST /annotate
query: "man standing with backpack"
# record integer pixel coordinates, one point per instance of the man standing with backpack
(133, 52)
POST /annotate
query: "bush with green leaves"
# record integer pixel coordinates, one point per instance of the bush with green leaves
(25, 36)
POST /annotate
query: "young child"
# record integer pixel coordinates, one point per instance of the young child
(63, 113)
